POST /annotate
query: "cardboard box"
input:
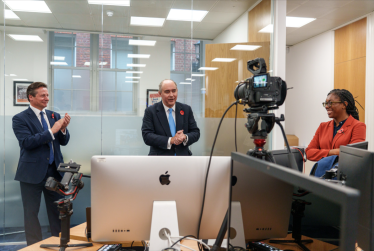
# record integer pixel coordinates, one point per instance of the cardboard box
(292, 140)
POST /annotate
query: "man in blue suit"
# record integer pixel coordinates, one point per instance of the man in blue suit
(40, 134)
(169, 127)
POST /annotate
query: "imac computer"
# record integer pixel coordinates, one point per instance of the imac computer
(356, 169)
(281, 157)
(124, 190)
(347, 198)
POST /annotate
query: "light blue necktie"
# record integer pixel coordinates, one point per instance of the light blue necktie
(171, 122)
(45, 128)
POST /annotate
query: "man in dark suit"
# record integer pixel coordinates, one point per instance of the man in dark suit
(169, 127)
(40, 134)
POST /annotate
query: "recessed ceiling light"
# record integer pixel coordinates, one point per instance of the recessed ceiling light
(28, 6)
(59, 58)
(185, 83)
(13, 75)
(147, 21)
(8, 14)
(110, 2)
(134, 77)
(20, 79)
(30, 38)
(267, 29)
(186, 15)
(76, 76)
(87, 63)
(208, 68)
(59, 63)
(223, 59)
(131, 81)
(190, 79)
(136, 65)
(197, 75)
(240, 47)
(142, 42)
(298, 21)
(138, 55)
(139, 72)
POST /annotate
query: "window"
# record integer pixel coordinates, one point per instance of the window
(79, 86)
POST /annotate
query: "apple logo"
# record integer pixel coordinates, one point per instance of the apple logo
(164, 179)
(234, 179)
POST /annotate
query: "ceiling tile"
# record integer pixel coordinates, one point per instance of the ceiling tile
(210, 26)
(233, 6)
(178, 24)
(304, 11)
(84, 27)
(69, 7)
(117, 10)
(346, 14)
(195, 5)
(154, 4)
(73, 19)
(220, 17)
(45, 20)
(359, 4)
(143, 30)
(148, 12)
(326, 3)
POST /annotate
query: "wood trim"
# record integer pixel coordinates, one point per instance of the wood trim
(258, 18)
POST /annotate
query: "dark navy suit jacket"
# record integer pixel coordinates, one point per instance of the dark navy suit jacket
(156, 130)
(33, 141)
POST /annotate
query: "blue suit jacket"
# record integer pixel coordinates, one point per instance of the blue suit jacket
(156, 130)
(33, 141)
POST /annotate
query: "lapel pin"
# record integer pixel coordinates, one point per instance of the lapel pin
(53, 115)
(182, 112)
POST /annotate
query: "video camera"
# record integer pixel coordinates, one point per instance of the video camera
(261, 90)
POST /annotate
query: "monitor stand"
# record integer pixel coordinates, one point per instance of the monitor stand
(164, 218)
(236, 230)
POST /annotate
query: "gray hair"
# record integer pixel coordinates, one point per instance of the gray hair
(160, 85)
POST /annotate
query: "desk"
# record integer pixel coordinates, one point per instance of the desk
(77, 235)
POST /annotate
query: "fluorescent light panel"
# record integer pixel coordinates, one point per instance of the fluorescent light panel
(28, 6)
(87, 63)
(197, 75)
(185, 83)
(223, 59)
(136, 65)
(13, 75)
(190, 79)
(187, 15)
(135, 72)
(240, 47)
(267, 29)
(147, 21)
(208, 68)
(76, 76)
(59, 63)
(133, 77)
(131, 81)
(58, 58)
(142, 42)
(138, 55)
(8, 14)
(298, 21)
(110, 2)
(29, 38)
(20, 79)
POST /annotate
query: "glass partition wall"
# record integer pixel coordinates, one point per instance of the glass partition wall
(103, 65)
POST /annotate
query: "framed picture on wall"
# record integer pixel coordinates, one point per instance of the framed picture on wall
(153, 97)
(19, 93)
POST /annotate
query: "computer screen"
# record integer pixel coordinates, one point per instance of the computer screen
(347, 198)
(281, 157)
(362, 145)
(356, 168)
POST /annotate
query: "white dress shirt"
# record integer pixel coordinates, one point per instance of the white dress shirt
(37, 113)
(167, 116)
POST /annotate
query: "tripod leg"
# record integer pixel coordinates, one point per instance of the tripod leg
(80, 245)
(304, 248)
(62, 248)
(49, 245)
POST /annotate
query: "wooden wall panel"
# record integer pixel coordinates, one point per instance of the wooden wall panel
(258, 18)
(350, 61)
(220, 84)
(350, 41)
(350, 75)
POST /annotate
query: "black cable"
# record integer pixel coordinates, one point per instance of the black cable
(207, 172)
(184, 237)
(85, 233)
(236, 115)
(132, 243)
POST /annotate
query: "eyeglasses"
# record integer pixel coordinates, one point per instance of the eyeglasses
(329, 104)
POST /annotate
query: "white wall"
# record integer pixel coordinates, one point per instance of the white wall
(310, 71)
(28, 60)
(157, 68)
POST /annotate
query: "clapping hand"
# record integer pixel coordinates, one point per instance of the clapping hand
(178, 138)
(66, 122)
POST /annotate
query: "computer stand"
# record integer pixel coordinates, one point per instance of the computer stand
(298, 207)
(66, 210)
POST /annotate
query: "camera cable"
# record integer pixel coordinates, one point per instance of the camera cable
(207, 171)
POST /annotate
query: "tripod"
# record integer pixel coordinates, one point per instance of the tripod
(259, 136)
(297, 211)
